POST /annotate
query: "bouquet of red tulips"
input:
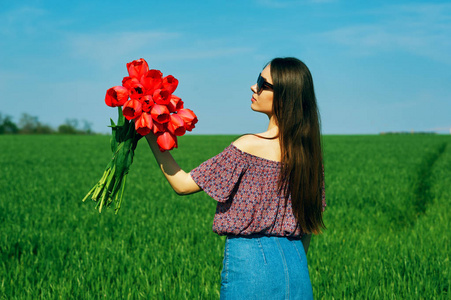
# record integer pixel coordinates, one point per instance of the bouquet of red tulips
(146, 104)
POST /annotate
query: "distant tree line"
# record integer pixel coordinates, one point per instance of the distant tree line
(408, 132)
(31, 125)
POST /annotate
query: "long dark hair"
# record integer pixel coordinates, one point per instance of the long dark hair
(298, 119)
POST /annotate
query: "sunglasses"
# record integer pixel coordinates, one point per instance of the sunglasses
(262, 84)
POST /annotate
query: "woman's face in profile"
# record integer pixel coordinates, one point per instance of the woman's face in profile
(263, 102)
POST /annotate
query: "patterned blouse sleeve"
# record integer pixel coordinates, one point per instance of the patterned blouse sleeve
(219, 175)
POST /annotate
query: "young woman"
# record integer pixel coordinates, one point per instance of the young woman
(269, 188)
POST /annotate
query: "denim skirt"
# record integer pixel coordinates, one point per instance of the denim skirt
(265, 267)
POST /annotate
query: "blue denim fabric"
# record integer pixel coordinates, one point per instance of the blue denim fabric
(263, 267)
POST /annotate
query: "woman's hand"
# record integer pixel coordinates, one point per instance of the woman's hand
(180, 181)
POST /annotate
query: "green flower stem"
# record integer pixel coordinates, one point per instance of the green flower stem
(106, 189)
(89, 193)
(111, 186)
(100, 185)
(120, 194)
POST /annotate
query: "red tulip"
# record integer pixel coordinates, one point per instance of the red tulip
(129, 81)
(170, 83)
(166, 141)
(176, 125)
(152, 80)
(137, 68)
(162, 97)
(143, 124)
(158, 128)
(136, 90)
(116, 96)
(147, 103)
(188, 117)
(175, 104)
(132, 109)
(160, 113)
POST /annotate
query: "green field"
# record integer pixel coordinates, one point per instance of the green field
(388, 220)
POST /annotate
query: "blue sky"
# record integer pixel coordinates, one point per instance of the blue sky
(377, 65)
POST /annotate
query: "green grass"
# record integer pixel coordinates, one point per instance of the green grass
(388, 219)
(388, 214)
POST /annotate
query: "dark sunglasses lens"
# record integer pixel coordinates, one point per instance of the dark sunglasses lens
(260, 83)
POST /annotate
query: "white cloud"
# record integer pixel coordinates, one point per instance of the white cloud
(105, 48)
(288, 3)
(322, 1)
(198, 53)
(423, 30)
(22, 20)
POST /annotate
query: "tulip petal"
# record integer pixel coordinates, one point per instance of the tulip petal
(170, 83)
(144, 124)
(136, 90)
(161, 96)
(175, 104)
(176, 125)
(166, 141)
(188, 117)
(128, 82)
(137, 68)
(116, 96)
(147, 102)
(160, 113)
(152, 80)
(158, 127)
(132, 109)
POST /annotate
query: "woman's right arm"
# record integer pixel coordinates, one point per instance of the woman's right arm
(180, 181)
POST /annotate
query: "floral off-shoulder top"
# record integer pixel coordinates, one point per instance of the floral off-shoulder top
(245, 187)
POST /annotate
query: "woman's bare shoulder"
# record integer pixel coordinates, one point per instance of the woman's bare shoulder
(246, 142)
(258, 145)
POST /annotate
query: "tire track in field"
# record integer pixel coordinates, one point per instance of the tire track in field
(422, 192)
